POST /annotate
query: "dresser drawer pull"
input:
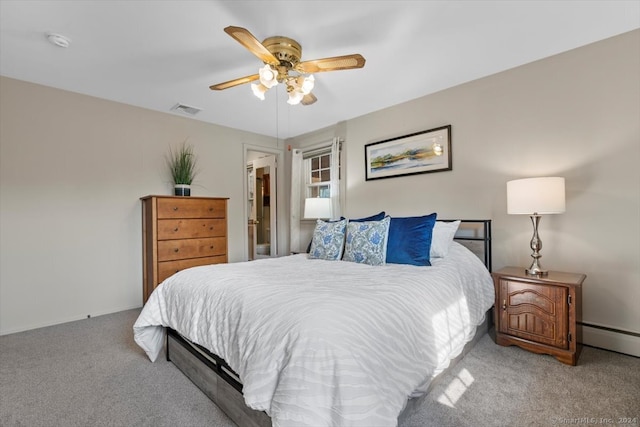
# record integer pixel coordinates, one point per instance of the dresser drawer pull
(175, 208)
(504, 304)
(176, 250)
(211, 247)
(175, 229)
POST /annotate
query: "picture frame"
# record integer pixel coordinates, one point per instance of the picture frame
(416, 153)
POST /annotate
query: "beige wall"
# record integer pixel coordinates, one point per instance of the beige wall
(73, 169)
(575, 115)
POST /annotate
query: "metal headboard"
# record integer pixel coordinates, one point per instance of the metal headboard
(475, 235)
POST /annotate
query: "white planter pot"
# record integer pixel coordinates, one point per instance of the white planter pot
(182, 190)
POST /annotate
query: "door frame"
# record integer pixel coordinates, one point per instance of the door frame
(269, 161)
(281, 209)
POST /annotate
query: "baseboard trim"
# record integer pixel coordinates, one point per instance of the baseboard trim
(62, 320)
(608, 338)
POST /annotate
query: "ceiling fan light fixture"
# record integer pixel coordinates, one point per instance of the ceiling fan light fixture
(295, 96)
(259, 90)
(268, 76)
(281, 56)
(307, 84)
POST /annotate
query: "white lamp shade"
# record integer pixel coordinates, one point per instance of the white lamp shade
(268, 76)
(259, 90)
(307, 84)
(295, 96)
(536, 195)
(317, 207)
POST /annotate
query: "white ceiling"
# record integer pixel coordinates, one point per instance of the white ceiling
(154, 54)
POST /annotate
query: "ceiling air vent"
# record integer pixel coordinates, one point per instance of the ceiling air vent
(186, 109)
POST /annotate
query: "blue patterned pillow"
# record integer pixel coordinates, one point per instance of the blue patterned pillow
(376, 217)
(328, 240)
(410, 240)
(309, 246)
(366, 242)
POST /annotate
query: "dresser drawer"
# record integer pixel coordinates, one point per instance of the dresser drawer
(169, 250)
(191, 228)
(169, 268)
(191, 208)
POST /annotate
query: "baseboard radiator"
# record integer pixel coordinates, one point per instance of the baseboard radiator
(613, 339)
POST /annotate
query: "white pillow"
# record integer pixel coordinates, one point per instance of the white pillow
(443, 233)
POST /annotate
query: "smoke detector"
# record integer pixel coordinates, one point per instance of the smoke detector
(58, 40)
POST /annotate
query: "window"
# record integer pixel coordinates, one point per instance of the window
(315, 173)
(318, 176)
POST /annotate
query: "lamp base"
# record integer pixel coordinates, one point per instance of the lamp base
(536, 244)
(536, 271)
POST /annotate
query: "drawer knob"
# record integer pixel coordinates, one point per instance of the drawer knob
(175, 229)
(211, 247)
(210, 228)
(175, 208)
(504, 304)
(210, 209)
(176, 250)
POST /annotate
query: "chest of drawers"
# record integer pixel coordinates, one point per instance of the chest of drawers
(178, 233)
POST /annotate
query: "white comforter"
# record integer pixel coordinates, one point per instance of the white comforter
(325, 343)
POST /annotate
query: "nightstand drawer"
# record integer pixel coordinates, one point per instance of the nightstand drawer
(534, 312)
(539, 313)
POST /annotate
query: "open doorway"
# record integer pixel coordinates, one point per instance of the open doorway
(261, 205)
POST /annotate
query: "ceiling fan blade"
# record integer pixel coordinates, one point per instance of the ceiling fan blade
(346, 62)
(235, 82)
(308, 99)
(246, 39)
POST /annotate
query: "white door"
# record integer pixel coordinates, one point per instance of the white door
(264, 210)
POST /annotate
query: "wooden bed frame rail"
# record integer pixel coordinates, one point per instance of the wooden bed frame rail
(213, 376)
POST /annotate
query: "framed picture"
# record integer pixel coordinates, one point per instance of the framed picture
(420, 152)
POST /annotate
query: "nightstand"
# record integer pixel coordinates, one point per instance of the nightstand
(540, 313)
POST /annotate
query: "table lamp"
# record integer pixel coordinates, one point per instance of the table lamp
(536, 197)
(317, 207)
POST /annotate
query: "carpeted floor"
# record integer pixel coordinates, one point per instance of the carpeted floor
(91, 373)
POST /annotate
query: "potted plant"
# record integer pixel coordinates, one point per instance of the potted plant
(182, 165)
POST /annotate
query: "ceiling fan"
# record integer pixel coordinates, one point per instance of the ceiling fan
(281, 56)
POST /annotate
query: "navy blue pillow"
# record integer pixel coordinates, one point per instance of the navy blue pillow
(376, 217)
(409, 240)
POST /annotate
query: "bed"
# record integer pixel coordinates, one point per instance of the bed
(294, 341)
